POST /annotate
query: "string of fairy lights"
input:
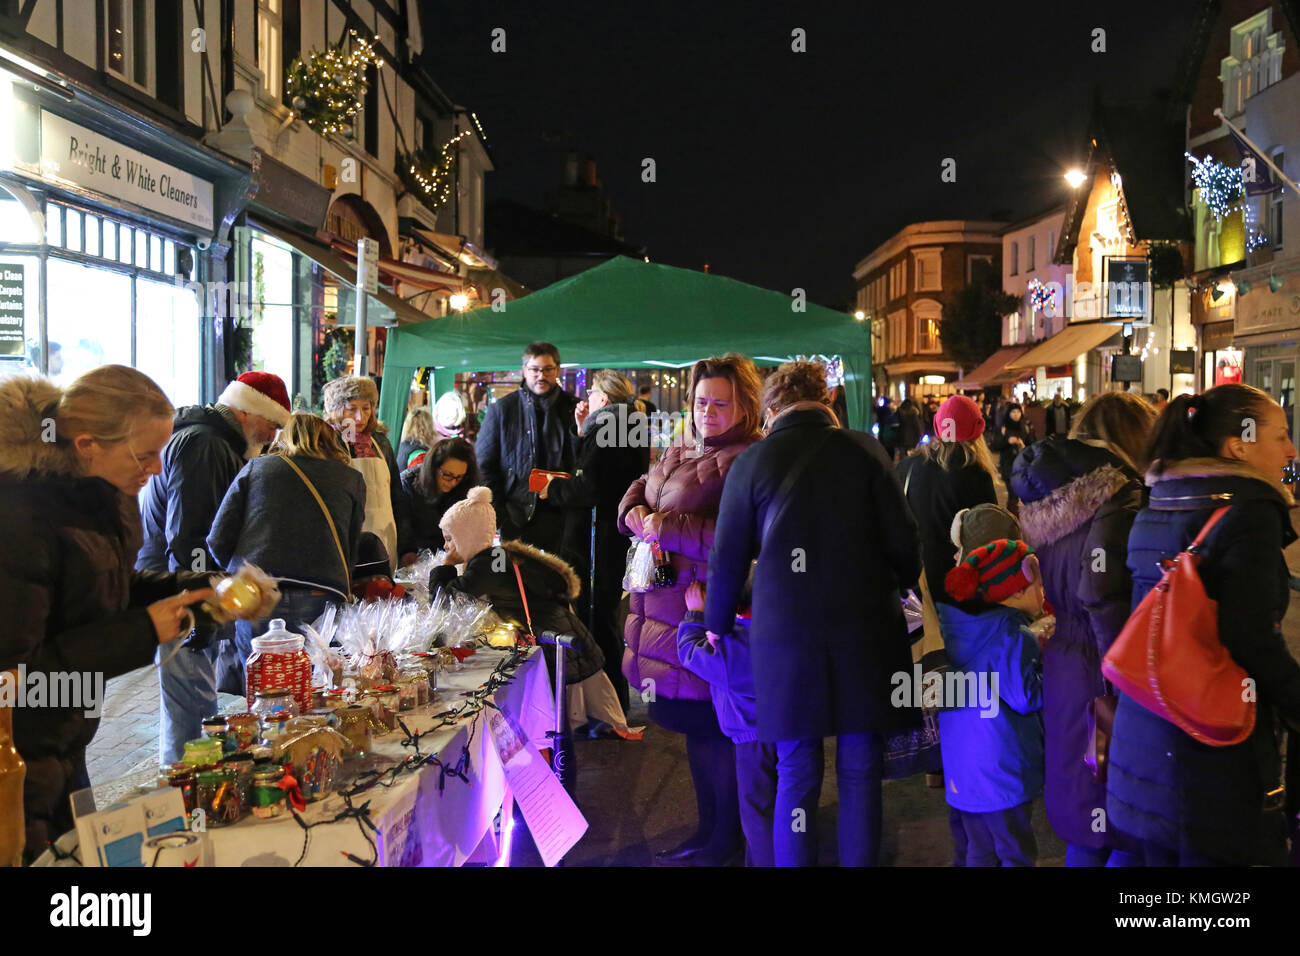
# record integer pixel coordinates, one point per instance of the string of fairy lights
(327, 89)
(1223, 190)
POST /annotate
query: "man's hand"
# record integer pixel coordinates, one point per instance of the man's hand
(695, 596)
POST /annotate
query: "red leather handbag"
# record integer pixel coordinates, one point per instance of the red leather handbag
(1169, 658)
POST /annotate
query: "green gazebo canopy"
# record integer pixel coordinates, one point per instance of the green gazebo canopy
(627, 313)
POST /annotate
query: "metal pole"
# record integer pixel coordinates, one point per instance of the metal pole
(562, 745)
(1262, 155)
(361, 348)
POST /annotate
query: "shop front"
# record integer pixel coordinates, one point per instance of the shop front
(106, 232)
(1267, 330)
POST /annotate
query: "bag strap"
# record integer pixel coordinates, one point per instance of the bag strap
(524, 597)
(782, 496)
(329, 519)
(1209, 526)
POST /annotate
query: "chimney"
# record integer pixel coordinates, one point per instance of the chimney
(571, 169)
(589, 172)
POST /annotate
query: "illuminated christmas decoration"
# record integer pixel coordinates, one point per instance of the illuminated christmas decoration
(1223, 191)
(326, 88)
(1040, 296)
(432, 181)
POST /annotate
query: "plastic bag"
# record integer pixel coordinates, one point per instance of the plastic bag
(914, 612)
(639, 575)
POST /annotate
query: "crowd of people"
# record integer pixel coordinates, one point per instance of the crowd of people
(788, 540)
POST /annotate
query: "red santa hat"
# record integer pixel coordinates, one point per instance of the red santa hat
(258, 393)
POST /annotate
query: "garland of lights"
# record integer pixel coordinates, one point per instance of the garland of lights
(1040, 296)
(1223, 190)
(432, 180)
(327, 88)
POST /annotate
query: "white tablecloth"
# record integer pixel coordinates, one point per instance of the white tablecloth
(418, 825)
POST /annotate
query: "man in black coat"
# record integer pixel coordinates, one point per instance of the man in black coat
(208, 447)
(835, 544)
(529, 428)
(1058, 418)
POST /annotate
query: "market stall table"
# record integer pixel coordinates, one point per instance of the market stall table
(428, 817)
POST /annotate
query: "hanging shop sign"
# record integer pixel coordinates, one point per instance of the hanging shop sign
(1264, 310)
(12, 282)
(75, 155)
(1182, 362)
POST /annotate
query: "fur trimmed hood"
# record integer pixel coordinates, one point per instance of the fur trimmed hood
(1049, 519)
(573, 585)
(1217, 468)
(28, 405)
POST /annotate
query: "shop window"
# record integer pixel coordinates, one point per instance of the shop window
(89, 312)
(19, 312)
(1275, 206)
(141, 249)
(72, 230)
(126, 240)
(109, 233)
(167, 339)
(54, 225)
(130, 41)
(169, 257)
(90, 225)
(156, 262)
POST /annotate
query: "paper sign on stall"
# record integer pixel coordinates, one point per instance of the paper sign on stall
(553, 819)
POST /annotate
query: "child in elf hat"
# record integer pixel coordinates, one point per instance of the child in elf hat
(993, 755)
(724, 663)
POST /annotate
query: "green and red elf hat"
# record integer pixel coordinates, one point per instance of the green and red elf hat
(994, 571)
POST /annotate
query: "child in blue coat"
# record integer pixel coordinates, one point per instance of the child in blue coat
(992, 729)
(724, 663)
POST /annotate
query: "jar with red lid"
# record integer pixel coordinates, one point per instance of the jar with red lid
(278, 660)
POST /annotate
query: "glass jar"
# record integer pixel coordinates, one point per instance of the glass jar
(267, 795)
(334, 699)
(203, 752)
(274, 707)
(384, 704)
(181, 776)
(408, 698)
(242, 764)
(354, 724)
(278, 660)
(216, 793)
(244, 728)
(216, 727)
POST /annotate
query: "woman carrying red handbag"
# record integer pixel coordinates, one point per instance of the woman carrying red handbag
(1191, 803)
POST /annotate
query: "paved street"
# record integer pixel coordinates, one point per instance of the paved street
(637, 796)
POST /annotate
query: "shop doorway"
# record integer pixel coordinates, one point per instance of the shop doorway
(1277, 377)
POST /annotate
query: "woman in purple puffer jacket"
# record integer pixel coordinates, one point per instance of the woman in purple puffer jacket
(676, 505)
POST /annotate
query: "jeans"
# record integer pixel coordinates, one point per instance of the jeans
(1000, 838)
(799, 769)
(187, 684)
(298, 606)
(1106, 856)
(756, 781)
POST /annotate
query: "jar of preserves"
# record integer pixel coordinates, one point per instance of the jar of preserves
(267, 794)
(244, 728)
(278, 660)
(408, 698)
(203, 752)
(354, 724)
(274, 707)
(242, 764)
(216, 793)
(181, 776)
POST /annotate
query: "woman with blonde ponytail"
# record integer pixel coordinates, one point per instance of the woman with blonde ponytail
(71, 464)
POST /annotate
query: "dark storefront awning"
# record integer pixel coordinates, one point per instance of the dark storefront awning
(1066, 346)
(990, 369)
(384, 308)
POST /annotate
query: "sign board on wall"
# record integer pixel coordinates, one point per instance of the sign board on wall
(12, 308)
(1182, 362)
(77, 156)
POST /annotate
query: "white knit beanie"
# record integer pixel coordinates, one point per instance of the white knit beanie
(471, 523)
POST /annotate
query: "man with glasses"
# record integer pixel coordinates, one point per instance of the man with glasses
(208, 447)
(531, 428)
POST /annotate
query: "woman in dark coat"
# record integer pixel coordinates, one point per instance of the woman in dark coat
(615, 452)
(443, 478)
(942, 477)
(1191, 804)
(676, 505)
(270, 518)
(909, 426)
(69, 533)
(1010, 440)
(1079, 496)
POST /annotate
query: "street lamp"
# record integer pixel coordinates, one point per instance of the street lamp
(459, 301)
(1075, 178)
(859, 315)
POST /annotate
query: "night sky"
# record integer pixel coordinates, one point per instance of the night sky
(785, 169)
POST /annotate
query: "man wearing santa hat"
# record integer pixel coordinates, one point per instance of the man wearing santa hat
(208, 447)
